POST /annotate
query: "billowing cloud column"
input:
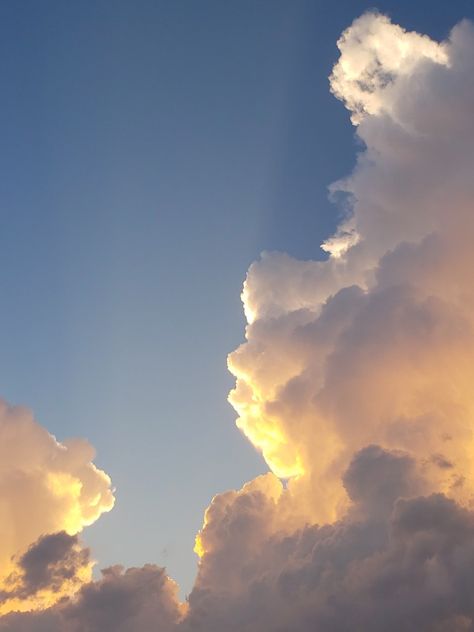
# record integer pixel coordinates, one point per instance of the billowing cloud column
(397, 561)
(355, 382)
(375, 344)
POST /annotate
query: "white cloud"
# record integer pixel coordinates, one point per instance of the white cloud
(355, 382)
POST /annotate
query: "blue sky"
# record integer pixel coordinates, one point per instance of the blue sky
(150, 152)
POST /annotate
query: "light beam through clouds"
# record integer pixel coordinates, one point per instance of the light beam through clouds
(355, 382)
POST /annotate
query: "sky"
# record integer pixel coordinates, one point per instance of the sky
(150, 152)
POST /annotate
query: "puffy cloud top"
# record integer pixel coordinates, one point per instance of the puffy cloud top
(355, 383)
(374, 344)
(45, 487)
(376, 55)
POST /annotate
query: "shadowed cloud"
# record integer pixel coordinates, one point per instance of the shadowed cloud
(354, 382)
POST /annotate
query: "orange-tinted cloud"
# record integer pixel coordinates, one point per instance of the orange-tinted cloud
(52, 568)
(45, 487)
(355, 383)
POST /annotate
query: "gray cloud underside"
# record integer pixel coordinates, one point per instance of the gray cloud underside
(357, 375)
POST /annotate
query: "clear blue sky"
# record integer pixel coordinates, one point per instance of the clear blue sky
(149, 152)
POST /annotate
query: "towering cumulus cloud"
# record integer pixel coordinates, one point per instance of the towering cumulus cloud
(375, 344)
(355, 382)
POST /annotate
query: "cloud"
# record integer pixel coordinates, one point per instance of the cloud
(376, 55)
(46, 487)
(52, 568)
(355, 383)
(407, 567)
(138, 599)
(374, 344)
(396, 561)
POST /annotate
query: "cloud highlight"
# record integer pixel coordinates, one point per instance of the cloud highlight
(354, 381)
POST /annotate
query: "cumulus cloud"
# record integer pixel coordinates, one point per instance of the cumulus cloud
(374, 345)
(397, 561)
(355, 383)
(375, 55)
(135, 600)
(52, 568)
(46, 487)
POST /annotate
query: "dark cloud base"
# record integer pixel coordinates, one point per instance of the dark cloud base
(355, 382)
(408, 565)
